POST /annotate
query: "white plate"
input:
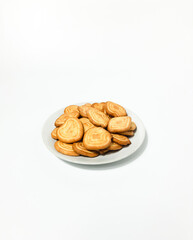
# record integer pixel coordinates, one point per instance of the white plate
(136, 142)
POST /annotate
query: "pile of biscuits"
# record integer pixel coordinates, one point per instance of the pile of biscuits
(92, 129)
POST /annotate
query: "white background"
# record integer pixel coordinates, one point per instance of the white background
(137, 53)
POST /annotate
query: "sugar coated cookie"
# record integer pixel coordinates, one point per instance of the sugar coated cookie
(97, 117)
(59, 121)
(54, 133)
(83, 109)
(119, 124)
(133, 127)
(97, 138)
(72, 111)
(65, 148)
(86, 124)
(114, 146)
(120, 139)
(115, 110)
(128, 133)
(80, 149)
(71, 131)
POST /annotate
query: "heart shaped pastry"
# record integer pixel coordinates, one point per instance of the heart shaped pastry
(114, 146)
(120, 139)
(133, 127)
(97, 117)
(80, 149)
(65, 148)
(115, 109)
(83, 109)
(99, 106)
(119, 124)
(71, 131)
(86, 124)
(72, 111)
(54, 133)
(97, 138)
(59, 121)
(128, 133)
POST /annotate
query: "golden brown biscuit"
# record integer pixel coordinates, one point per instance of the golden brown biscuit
(114, 146)
(72, 111)
(133, 127)
(59, 121)
(80, 149)
(99, 106)
(86, 124)
(128, 133)
(96, 138)
(83, 109)
(115, 110)
(105, 108)
(103, 151)
(65, 148)
(54, 133)
(71, 131)
(97, 117)
(119, 124)
(120, 139)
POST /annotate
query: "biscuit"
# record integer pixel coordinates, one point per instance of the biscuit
(97, 117)
(115, 110)
(54, 133)
(105, 109)
(80, 149)
(96, 138)
(133, 127)
(86, 124)
(72, 111)
(103, 151)
(83, 109)
(65, 148)
(99, 106)
(128, 133)
(71, 131)
(120, 139)
(119, 124)
(59, 121)
(114, 146)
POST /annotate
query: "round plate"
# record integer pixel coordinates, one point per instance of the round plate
(136, 142)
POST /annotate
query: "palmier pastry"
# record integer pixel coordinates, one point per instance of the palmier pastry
(115, 110)
(54, 133)
(103, 151)
(71, 131)
(99, 106)
(119, 124)
(59, 121)
(80, 149)
(128, 133)
(83, 109)
(114, 146)
(72, 111)
(65, 148)
(133, 127)
(120, 139)
(86, 124)
(97, 138)
(97, 117)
